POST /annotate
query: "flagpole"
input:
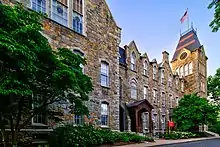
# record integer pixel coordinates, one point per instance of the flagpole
(188, 17)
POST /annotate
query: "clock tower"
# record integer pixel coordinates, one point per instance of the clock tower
(190, 62)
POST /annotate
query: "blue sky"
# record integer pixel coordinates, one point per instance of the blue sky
(155, 26)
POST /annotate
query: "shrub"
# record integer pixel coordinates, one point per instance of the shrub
(87, 136)
(178, 135)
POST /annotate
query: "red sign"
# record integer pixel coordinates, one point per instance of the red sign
(170, 123)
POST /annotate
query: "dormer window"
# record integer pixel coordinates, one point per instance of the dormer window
(154, 72)
(145, 67)
(133, 60)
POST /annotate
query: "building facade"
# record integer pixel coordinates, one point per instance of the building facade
(131, 92)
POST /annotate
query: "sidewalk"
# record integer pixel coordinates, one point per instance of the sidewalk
(163, 142)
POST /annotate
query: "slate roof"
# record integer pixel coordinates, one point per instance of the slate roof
(188, 40)
(122, 58)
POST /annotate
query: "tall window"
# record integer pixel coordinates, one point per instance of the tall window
(38, 118)
(104, 74)
(163, 121)
(145, 92)
(177, 101)
(78, 120)
(39, 5)
(77, 23)
(133, 89)
(104, 114)
(59, 11)
(154, 96)
(162, 76)
(170, 81)
(203, 86)
(154, 72)
(171, 101)
(147, 120)
(186, 72)
(145, 67)
(133, 60)
(190, 68)
(163, 96)
(181, 71)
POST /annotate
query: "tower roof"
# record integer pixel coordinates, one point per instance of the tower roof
(188, 40)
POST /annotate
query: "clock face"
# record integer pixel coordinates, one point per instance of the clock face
(183, 56)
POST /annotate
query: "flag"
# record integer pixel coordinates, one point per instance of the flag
(184, 16)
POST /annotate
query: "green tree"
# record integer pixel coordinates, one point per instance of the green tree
(32, 73)
(214, 86)
(194, 111)
(215, 23)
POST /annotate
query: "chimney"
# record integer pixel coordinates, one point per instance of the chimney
(165, 56)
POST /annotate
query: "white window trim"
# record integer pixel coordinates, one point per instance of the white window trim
(108, 76)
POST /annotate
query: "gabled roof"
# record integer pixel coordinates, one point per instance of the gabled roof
(136, 103)
(188, 40)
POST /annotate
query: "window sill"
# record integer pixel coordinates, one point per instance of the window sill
(39, 124)
(145, 75)
(104, 127)
(133, 70)
(106, 87)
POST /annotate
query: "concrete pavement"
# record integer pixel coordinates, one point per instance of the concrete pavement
(161, 142)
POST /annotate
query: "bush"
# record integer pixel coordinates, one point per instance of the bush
(178, 135)
(87, 136)
(215, 128)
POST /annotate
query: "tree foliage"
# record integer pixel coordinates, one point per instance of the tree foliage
(214, 86)
(215, 23)
(32, 73)
(194, 111)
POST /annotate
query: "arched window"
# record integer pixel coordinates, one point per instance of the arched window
(79, 52)
(104, 74)
(133, 89)
(162, 76)
(190, 68)
(186, 69)
(104, 114)
(154, 72)
(133, 60)
(145, 67)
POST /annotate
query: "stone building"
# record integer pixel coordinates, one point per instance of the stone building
(131, 92)
(86, 27)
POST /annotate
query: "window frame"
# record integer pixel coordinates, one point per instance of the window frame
(154, 72)
(133, 61)
(80, 120)
(145, 92)
(154, 96)
(105, 75)
(145, 68)
(162, 76)
(46, 7)
(37, 115)
(106, 124)
(133, 89)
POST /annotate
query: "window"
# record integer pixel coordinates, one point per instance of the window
(154, 96)
(145, 92)
(182, 85)
(78, 6)
(77, 23)
(104, 114)
(133, 89)
(78, 120)
(145, 67)
(177, 83)
(190, 68)
(162, 76)
(170, 81)
(77, 51)
(39, 5)
(177, 101)
(154, 72)
(59, 11)
(38, 118)
(177, 71)
(181, 71)
(163, 96)
(133, 60)
(104, 74)
(203, 86)
(171, 101)
(163, 122)
(155, 120)
(147, 120)
(186, 70)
